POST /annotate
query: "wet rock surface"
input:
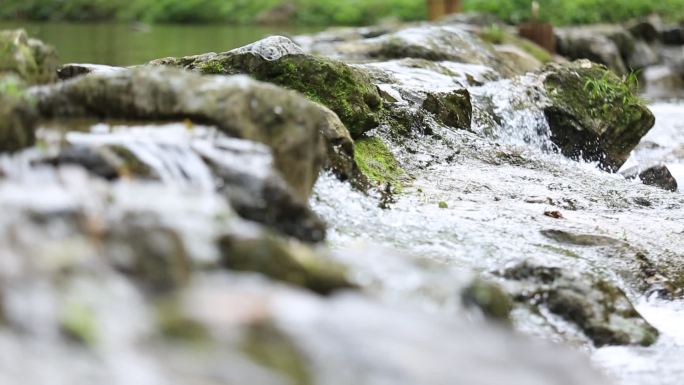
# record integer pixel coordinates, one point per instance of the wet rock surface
(600, 309)
(657, 175)
(594, 114)
(289, 124)
(609, 45)
(72, 70)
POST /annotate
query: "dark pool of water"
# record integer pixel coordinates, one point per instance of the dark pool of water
(127, 44)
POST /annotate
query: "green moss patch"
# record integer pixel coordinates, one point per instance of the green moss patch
(346, 90)
(377, 162)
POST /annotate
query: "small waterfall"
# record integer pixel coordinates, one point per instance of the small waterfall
(166, 149)
(511, 110)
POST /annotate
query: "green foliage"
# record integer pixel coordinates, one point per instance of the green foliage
(330, 12)
(493, 34)
(577, 11)
(605, 92)
(311, 12)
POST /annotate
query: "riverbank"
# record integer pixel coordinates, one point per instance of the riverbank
(328, 12)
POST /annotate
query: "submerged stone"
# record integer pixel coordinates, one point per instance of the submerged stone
(419, 93)
(344, 89)
(30, 59)
(594, 114)
(599, 308)
(657, 175)
(238, 106)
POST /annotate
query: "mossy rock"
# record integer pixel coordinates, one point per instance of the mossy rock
(346, 90)
(30, 59)
(594, 114)
(490, 298)
(377, 163)
(18, 115)
(283, 260)
(599, 308)
(454, 108)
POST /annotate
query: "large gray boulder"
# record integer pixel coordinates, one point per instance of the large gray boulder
(435, 43)
(288, 123)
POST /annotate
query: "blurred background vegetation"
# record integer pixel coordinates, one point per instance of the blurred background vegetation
(327, 12)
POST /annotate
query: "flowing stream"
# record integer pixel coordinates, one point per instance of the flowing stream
(494, 205)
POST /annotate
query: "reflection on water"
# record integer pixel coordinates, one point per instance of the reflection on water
(126, 44)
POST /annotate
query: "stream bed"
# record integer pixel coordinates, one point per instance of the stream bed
(429, 208)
